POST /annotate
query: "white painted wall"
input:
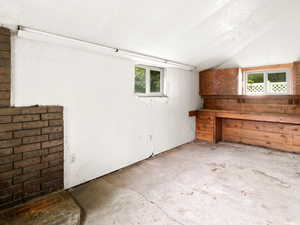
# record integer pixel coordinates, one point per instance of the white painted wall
(106, 126)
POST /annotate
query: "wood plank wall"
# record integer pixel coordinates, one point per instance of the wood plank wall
(296, 78)
(274, 104)
(280, 136)
(219, 82)
(205, 125)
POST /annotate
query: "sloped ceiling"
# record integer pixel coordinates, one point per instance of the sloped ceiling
(205, 33)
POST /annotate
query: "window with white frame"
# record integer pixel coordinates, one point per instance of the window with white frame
(149, 81)
(269, 82)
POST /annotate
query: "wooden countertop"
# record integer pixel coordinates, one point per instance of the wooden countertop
(257, 116)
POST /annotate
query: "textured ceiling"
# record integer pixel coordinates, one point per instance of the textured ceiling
(205, 33)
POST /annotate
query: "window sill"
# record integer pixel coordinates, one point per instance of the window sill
(268, 94)
(149, 98)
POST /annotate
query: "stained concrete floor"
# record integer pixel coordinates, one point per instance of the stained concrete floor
(198, 183)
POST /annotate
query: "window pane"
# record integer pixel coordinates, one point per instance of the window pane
(277, 77)
(277, 83)
(140, 80)
(154, 81)
(255, 84)
(255, 78)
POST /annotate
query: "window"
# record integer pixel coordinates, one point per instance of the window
(149, 81)
(271, 82)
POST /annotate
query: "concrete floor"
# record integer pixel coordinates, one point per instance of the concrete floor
(198, 183)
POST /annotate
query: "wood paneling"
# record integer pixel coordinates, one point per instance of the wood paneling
(275, 130)
(272, 104)
(219, 82)
(269, 117)
(205, 126)
(193, 113)
(296, 79)
(267, 134)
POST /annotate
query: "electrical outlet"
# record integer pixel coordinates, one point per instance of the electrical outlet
(73, 158)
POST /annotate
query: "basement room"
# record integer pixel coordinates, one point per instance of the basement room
(149, 112)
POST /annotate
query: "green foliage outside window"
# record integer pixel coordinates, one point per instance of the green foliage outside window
(140, 80)
(277, 77)
(154, 81)
(255, 78)
(272, 77)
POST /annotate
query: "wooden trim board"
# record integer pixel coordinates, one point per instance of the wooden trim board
(269, 67)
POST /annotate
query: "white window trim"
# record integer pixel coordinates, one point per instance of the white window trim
(265, 72)
(148, 83)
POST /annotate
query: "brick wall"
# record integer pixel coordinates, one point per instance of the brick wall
(4, 67)
(31, 152)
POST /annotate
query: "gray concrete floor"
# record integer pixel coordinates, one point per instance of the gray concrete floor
(198, 183)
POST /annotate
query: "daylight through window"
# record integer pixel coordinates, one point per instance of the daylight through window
(267, 83)
(149, 81)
